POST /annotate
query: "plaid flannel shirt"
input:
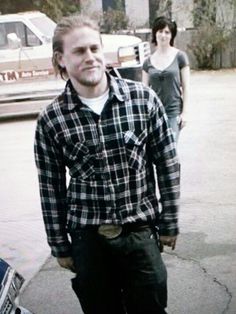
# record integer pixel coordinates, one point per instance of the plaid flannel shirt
(111, 160)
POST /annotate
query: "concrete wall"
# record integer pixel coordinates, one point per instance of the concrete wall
(137, 12)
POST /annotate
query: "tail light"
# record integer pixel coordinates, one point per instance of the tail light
(133, 55)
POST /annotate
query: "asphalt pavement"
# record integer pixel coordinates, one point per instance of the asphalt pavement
(202, 269)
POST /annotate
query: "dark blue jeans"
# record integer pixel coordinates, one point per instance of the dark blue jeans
(118, 276)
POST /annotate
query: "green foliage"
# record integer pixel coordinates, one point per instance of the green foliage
(113, 20)
(70, 7)
(53, 8)
(207, 42)
(159, 8)
(204, 11)
(13, 6)
(210, 38)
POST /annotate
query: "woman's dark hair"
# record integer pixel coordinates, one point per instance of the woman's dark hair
(160, 23)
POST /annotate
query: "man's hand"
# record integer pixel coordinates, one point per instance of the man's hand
(168, 241)
(183, 120)
(66, 262)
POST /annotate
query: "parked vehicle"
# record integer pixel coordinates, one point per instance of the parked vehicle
(10, 284)
(26, 49)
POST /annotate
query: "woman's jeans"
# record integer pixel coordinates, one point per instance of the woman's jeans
(121, 275)
(175, 125)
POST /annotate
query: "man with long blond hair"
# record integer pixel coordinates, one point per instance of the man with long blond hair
(106, 224)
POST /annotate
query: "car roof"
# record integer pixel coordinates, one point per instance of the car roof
(20, 15)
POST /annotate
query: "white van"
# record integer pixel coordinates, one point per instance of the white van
(26, 49)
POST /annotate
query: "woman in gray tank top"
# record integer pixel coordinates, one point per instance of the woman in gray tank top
(167, 72)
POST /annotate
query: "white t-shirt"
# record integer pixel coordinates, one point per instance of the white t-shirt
(96, 104)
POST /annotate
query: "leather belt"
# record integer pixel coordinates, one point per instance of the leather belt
(110, 231)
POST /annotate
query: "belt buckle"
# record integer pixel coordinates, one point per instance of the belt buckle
(109, 231)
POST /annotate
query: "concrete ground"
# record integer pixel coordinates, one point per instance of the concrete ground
(202, 269)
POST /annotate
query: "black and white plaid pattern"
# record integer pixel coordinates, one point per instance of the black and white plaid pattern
(110, 160)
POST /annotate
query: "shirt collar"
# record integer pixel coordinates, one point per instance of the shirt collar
(71, 98)
(116, 86)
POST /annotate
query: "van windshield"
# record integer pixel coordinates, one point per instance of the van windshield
(44, 24)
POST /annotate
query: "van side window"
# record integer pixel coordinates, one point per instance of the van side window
(28, 38)
(3, 37)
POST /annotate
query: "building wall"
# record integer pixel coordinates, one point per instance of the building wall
(182, 13)
(226, 13)
(137, 12)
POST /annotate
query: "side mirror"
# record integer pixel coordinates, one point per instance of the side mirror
(14, 42)
(47, 39)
